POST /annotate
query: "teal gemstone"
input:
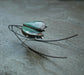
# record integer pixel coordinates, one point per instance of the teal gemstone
(30, 31)
(30, 24)
(35, 25)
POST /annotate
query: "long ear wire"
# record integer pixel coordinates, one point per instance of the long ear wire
(46, 41)
(26, 46)
(58, 39)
